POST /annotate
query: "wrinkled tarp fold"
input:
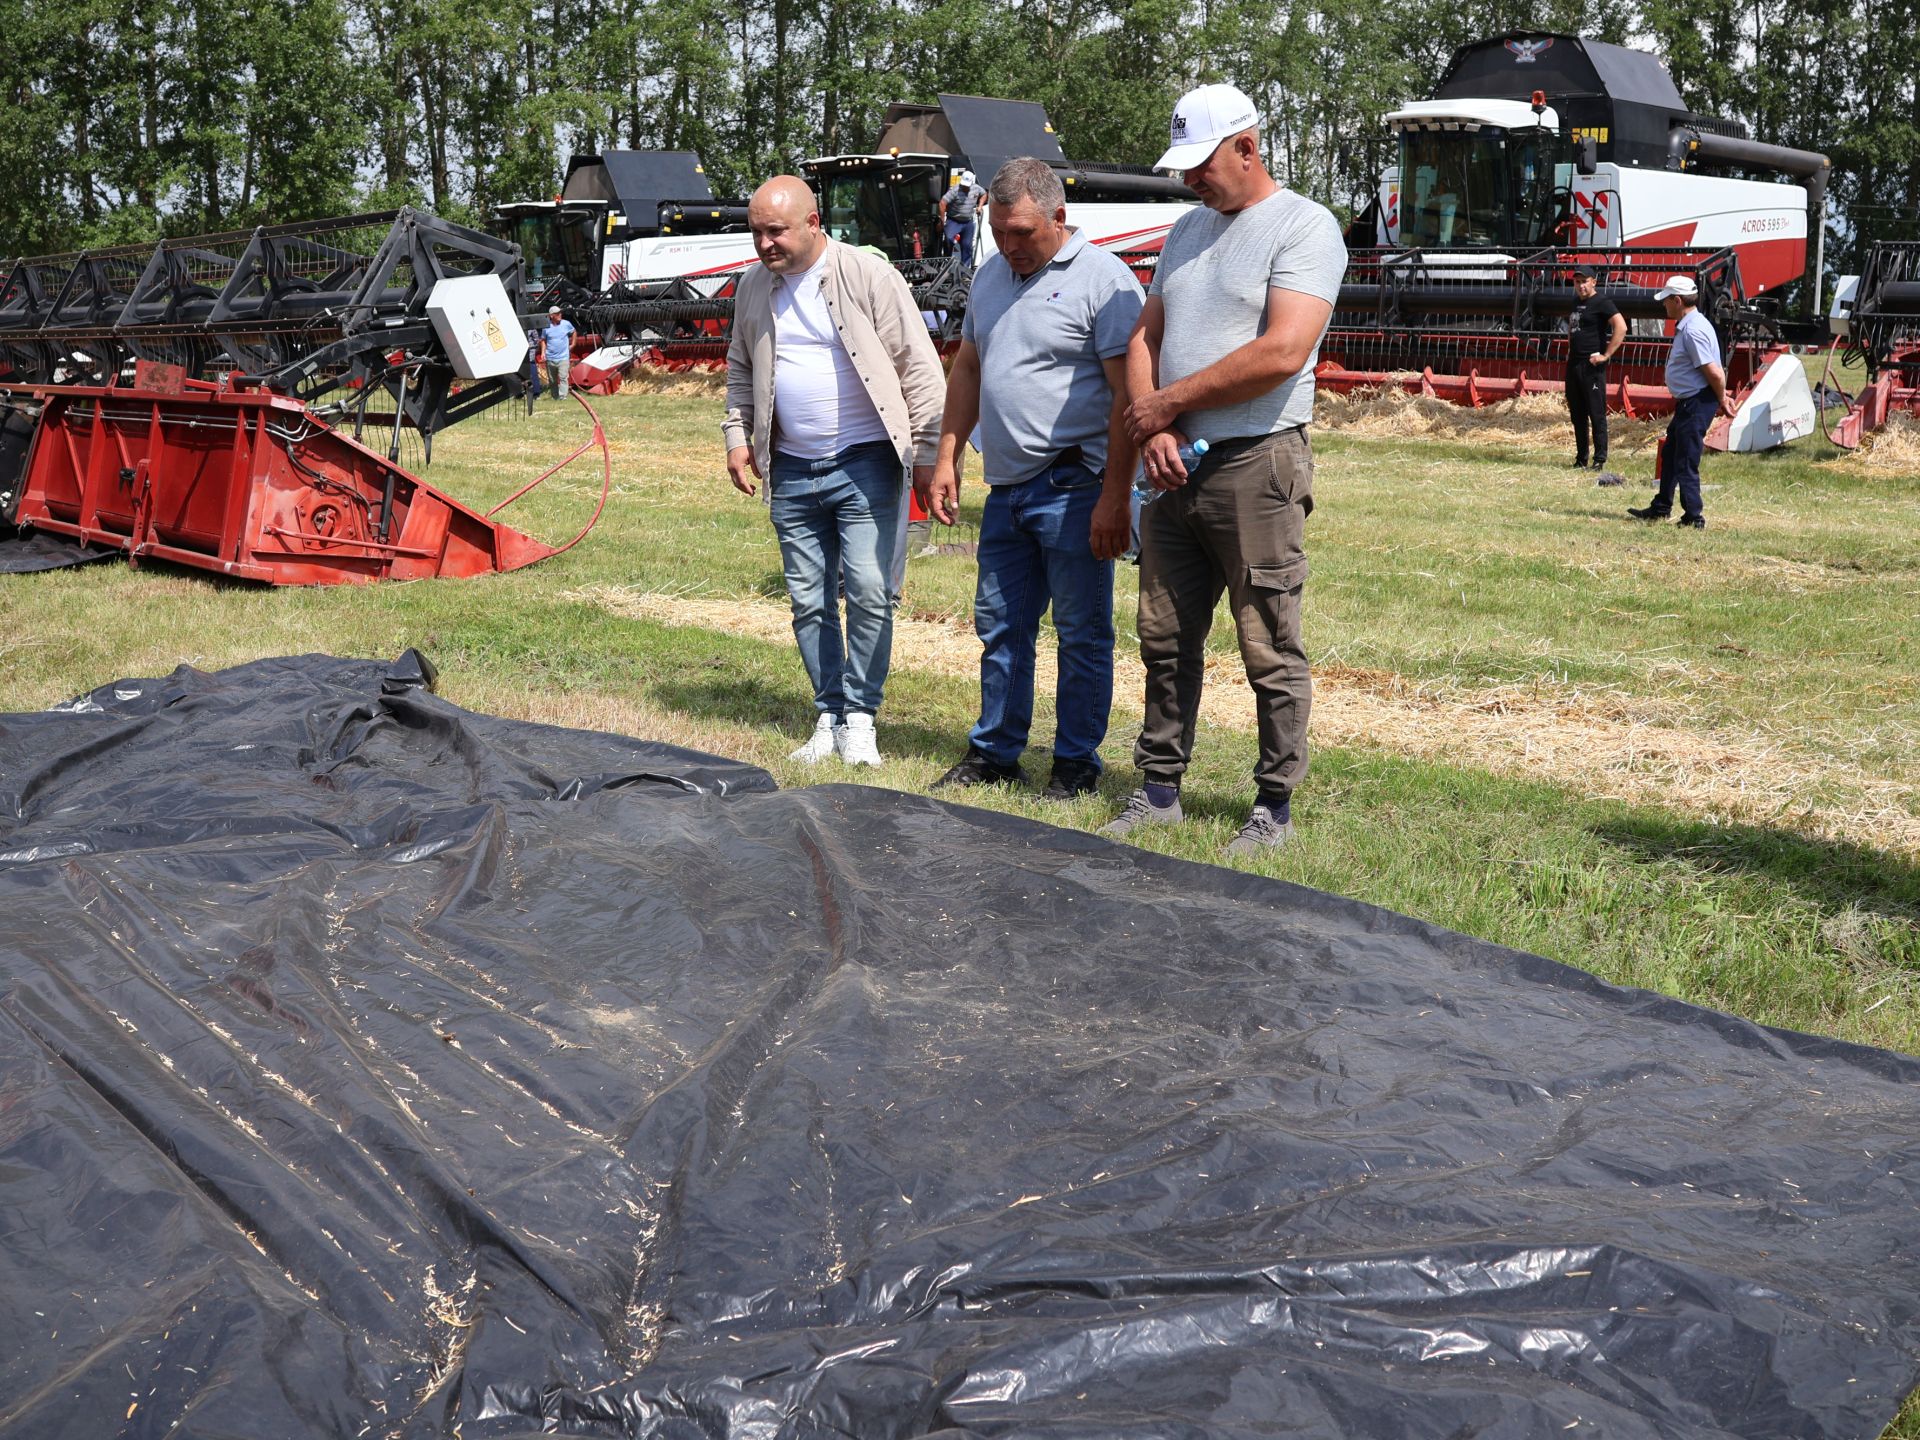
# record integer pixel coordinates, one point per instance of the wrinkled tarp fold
(370, 1065)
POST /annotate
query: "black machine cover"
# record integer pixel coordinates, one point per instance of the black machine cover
(371, 1066)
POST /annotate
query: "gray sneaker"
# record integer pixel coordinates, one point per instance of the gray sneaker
(1141, 811)
(1261, 832)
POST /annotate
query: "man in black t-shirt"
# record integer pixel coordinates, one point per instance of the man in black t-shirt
(1594, 332)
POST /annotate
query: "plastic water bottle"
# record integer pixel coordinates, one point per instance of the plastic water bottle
(1145, 494)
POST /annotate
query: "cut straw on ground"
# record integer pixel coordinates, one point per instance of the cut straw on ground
(1597, 742)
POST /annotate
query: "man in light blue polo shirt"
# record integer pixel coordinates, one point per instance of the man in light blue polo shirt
(1041, 370)
(557, 337)
(1699, 389)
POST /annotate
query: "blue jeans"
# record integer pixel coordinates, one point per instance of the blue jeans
(838, 519)
(1680, 460)
(960, 237)
(1036, 550)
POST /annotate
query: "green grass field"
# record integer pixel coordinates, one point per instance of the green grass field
(1683, 761)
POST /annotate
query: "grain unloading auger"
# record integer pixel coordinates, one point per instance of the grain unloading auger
(1876, 317)
(209, 401)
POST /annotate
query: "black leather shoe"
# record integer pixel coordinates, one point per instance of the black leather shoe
(1693, 522)
(1071, 778)
(1650, 512)
(978, 769)
(1579, 462)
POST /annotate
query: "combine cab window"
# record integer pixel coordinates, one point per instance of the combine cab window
(1479, 187)
(898, 216)
(577, 243)
(554, 242)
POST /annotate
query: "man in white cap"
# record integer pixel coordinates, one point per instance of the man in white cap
(1699, 389)
(557, 340)
(960, 214)
(1224, 352)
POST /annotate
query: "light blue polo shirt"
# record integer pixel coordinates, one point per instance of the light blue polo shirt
(1041, 341)
(1695, 346)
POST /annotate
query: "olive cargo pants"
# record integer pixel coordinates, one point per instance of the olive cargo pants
(1236, 527)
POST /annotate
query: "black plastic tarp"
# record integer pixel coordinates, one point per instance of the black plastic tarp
(368, 1066)
(24, 553)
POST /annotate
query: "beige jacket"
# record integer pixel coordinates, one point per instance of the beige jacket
(884, 336)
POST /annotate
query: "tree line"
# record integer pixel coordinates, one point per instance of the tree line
(130, 119)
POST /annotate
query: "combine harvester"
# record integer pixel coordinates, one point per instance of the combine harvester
(1876, 318)
(207, 401)
(887, 199)
(1537, 152)
(626, 215)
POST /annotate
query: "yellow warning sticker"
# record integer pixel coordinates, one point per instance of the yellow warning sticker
(495, 335)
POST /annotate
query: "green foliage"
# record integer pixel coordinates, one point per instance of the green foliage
(129, 118)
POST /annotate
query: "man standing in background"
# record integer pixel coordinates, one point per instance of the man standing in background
(833, 390)
(1595, 331)
(1224, 352)
(1699, 388)
(959, 215)
(558, 340)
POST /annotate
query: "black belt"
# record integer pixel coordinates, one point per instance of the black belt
(1227, 449)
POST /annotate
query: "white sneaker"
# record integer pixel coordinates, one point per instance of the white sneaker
(824, 741)
(856, 742)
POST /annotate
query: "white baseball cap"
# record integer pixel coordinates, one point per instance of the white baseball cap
(966, 177)
(553, 310)
(1201, 120)
(1677, 285)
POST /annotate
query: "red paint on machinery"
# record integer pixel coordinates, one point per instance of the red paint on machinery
(248, 483)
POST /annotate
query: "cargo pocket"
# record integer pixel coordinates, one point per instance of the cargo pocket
(1290, 576)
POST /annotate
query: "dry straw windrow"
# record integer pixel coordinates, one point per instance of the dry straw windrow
(1598, 742)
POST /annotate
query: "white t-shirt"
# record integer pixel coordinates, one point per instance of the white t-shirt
(820, 406)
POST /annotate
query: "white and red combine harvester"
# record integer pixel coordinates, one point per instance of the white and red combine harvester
(890, 197)
(673, 303)
(1536, 152)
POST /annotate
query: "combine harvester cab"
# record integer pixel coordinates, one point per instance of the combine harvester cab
(209, 401)
(634, 228)
(1539, 152)
(891, 198)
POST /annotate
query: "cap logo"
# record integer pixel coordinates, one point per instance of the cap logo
(1179, 127)
(1526, 52)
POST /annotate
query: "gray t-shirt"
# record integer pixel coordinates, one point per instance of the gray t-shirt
(1041, 341)
(1215, 271)
(962, 201)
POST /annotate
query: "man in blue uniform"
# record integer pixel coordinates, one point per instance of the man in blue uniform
(1699, 388)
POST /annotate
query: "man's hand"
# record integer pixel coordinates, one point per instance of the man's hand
(1598, 357)
(742, 468)
(1150, 414)
(1112, 531)
(1160, 458)
(1727, 407)
(937, 488)
(925, 485)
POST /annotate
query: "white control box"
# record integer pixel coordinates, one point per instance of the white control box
(473, 319)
